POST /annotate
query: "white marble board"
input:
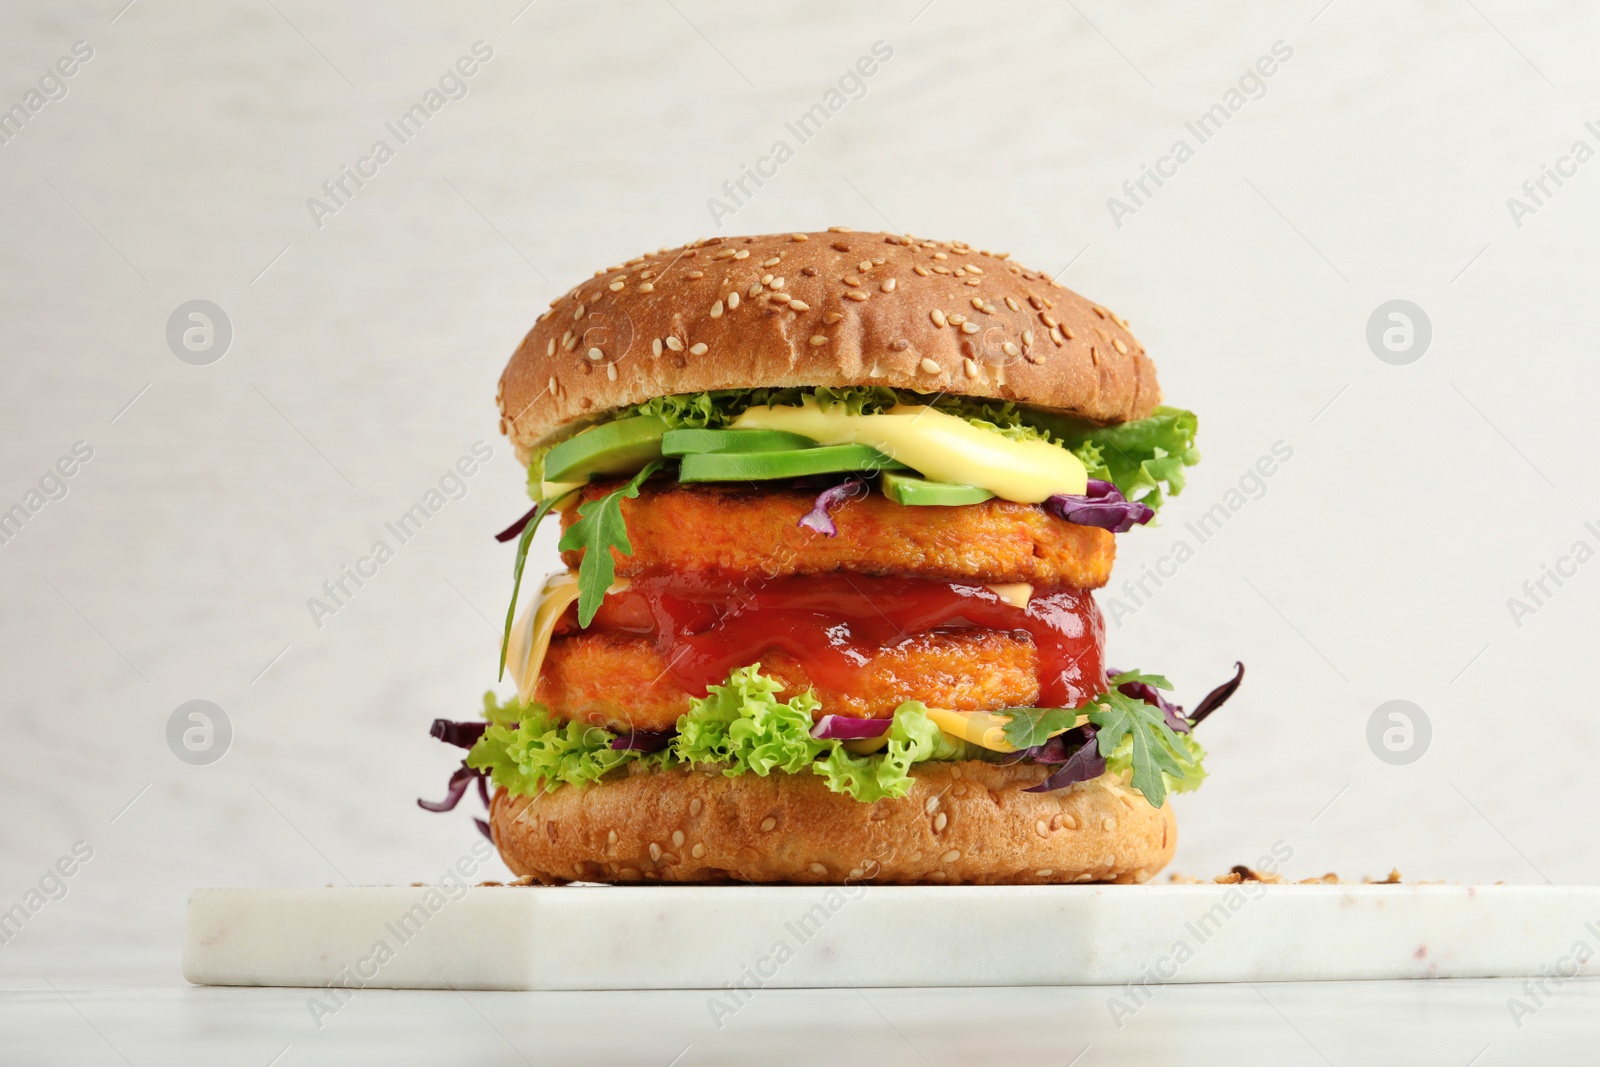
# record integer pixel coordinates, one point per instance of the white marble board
(711, 937)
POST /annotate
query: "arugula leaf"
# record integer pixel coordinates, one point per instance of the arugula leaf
(1153, 750)
(599, 529)
(1033, 726)
(544, 508)
(1157, 680)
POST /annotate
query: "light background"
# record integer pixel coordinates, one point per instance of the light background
(1376, 165)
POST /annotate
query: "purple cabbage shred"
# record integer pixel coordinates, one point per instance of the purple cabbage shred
(1101, 504)
(819, 517)
(846, 728)
(643, 740)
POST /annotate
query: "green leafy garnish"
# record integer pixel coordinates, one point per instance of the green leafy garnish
(527, 750)
(1134, 735)
(743, 723)
(599, 529)
(544, 508)
(1033, 726)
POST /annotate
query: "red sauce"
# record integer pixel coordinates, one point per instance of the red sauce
(706, 627)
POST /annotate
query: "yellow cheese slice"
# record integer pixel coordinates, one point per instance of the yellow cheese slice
(1017, 594)
(986, 729)
(530, 636)
(937, 445)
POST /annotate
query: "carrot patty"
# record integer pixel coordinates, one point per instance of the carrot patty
(675, 527)
(621, 682)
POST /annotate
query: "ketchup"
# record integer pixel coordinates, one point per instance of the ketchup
(707, 626)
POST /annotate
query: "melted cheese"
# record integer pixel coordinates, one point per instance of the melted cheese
(530, 637)
(937, 445)
(1017, 594)
(986, 729)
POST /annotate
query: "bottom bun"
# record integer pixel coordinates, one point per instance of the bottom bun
(966, 823)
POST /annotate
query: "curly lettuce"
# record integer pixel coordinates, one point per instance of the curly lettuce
(526, 750)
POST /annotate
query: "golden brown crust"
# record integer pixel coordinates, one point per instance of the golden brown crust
(962, 823)
(675, 527)
(621, 682)
(866, 317)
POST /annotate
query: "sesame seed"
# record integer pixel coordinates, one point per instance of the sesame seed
(695, 805)
(839, 229)
(647, 287)
(1108, 824)
(1045, 873)
(733, 301)
(617, 287)
(888, 285)
(899, 344)
(697, 851)
(611, 837)
(798, 237)
(970, 367)
(831, 317)
(655, 347)
(851, 280)
(695, 275)
(931, 806)
(698, 349)
(577, 313)
(552, 385)
(674, 344)
(973, 281)
(840, 246)
(766, 279)
(974, 268)
(777, 283)
(550, 349)
(1009, 348)
(1055, 335)
(755, 288)
(940, 255)
(937, 876)
(596, 355)
(1116, 342)
(726, 253)
(799, 305)
(570, 343)
(940, 821)
(977, 302)
(677, 838)
(937, 316)
(929, 366)
(817, 868)
(743, 253)
(1027, 337)
(611, 371)
(1012, 304)
(768, 823)
(864, 266)
(655, 851)
(773, 262)
(951, 856)
(969, 327)
(809, 272)
(1068, 331)
(957, 319)
(1036, 303)
(855, 294)
(716, 310)
(1041, 828)
(819, 339)
(1098, 310)
(1069, 821)
(920, 269)
(1047, 318)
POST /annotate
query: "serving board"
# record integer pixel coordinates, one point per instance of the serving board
(706, 937)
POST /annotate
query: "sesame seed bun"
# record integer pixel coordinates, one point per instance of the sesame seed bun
(962, 823)
(827, 309)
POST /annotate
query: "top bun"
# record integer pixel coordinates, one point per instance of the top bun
(820, 309)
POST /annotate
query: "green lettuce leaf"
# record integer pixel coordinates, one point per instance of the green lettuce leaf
(742, 723)
(526, 750)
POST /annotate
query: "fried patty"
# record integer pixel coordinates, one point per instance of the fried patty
(621, 682)
(675, 527)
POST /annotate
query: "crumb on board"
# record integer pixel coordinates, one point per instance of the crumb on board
(1241, 873)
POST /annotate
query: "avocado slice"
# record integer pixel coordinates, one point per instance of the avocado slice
(906, 489)
(619, 447)
(791, 463)
(689, 442)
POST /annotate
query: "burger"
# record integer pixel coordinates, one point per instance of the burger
(833, 507)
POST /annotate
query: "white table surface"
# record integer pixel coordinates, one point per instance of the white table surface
(1377, 564)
